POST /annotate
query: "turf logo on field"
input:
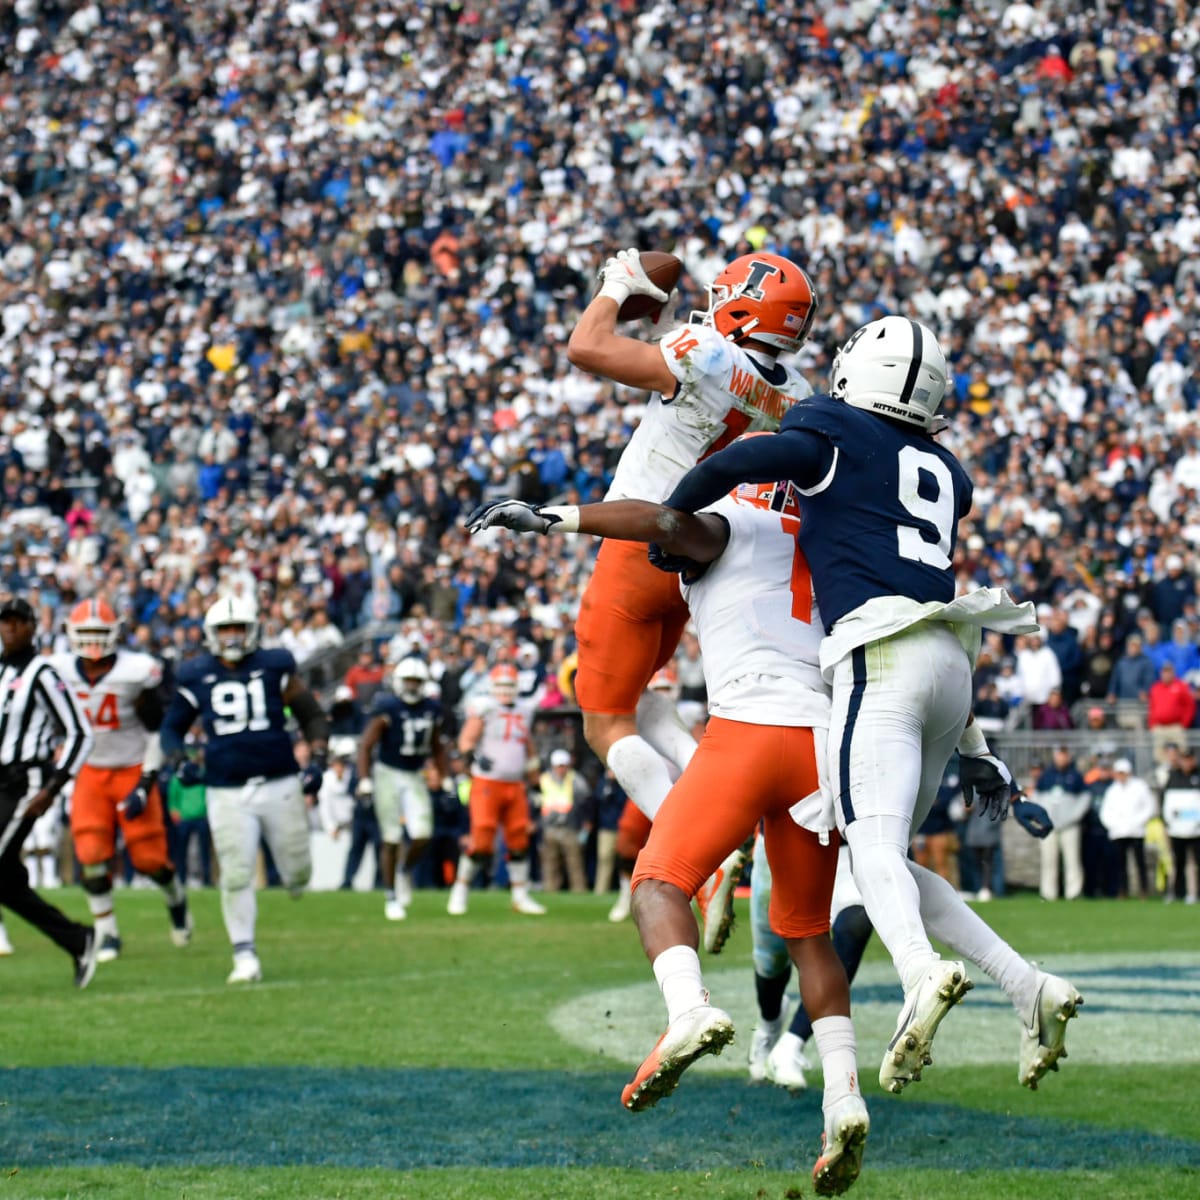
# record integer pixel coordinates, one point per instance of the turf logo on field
(1119, 990)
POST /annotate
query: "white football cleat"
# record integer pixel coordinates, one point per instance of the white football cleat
(181, 924)
(1044, 1042)
(846, 1127)
(404, 890)
(6, 947)
(246, 968)
(715, 899)
(762, 1042)
(527, 906)
(110, 948)
(944, 985)
(457, 906)
(621, 909)
(699, 1031)
(787, 1063)
(393, 910)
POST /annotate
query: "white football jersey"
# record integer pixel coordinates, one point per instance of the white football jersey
(109, 704)
(757, 621)
(505, 736)
(723, 392)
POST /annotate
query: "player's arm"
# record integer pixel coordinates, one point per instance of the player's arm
(441, 753)
(803, 456)
(700, 537)
(370, 739)
(180, 716)
(314, 725)
(596, 347)
(471, 732)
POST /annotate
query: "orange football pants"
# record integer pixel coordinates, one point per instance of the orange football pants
(630, 620)
(739, 775)
(498, 804)
(94, 819)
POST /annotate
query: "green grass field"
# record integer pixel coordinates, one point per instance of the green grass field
(483, 1057)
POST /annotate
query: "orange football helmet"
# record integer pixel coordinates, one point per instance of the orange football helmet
(763, 297)
(93, 629)
(503, 680)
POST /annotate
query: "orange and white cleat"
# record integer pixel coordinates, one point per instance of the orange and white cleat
(715, 899)
(845, 1136)
(699, 1031)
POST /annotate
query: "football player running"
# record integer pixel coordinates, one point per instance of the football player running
(496, 734)
(241, 694)
(122, 693)
(711, 380)
(881, 502)
(759, 759)
(406, 726)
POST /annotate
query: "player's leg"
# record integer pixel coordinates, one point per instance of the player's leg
(146, 840)
(236, 831)
(94, 831)
(606, 860)
(484, 812)
(899, 707)
(633, 829)
(417, 807)
(387, 812)
(688, 840)
(772, 967)
(515, 821)
(284, 817)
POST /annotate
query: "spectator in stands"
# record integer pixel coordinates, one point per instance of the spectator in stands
(1054, 714)
(1062, 792)
(1127, 806)
(1063, 640)
(1181, 652)
(1171, 595)
(1037, 666)
(1170, 710)
(565, 823)
(1181, 814)
(1129, 687)
(1099, 658)
(365, 676)
(608, 802)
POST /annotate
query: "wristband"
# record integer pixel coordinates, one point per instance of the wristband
(567, 514)
(615, 289)
(972, 744)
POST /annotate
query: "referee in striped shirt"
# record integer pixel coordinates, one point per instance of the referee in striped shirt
(37, 712)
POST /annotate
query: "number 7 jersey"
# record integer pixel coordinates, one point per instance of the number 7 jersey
(244, 716)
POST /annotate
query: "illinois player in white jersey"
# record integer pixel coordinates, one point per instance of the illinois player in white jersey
(122, 693)
(759, 759)
(496, 734)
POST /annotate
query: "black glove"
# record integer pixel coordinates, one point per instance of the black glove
(675, 564)
(987, 777)
(310, 779)
(1032, 818)
(189, 773)
(483, 764)
(135, 803)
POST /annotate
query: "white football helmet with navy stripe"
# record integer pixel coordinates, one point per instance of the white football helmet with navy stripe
(893, 367)
(231, 628)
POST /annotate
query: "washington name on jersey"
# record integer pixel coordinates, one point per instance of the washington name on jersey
(407, 740)
(501, 752)
(243, 713)
(111, 704)
(758, 623)
(723, 391)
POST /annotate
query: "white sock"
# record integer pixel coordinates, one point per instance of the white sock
(467, 867)
(949, 920)
(839, 1060)
(677, 970)
(240, 910)
(658, 722)
(641, 771)
(518, 878)
(891, 898)
(103, 917)
(403, 886)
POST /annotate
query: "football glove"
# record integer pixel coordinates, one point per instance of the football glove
(512, 514)
(310, 779)
(365, 787)
(675, 564)
(189, 773)
(135, 803)
(483, 763)
(623, 276)
(987, 778)
(1032, 818)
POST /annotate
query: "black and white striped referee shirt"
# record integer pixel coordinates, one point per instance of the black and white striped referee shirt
(37, 713)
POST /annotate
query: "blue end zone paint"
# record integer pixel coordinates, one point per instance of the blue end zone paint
(411, 1119)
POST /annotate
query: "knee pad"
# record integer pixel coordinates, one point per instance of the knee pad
(97, 881)
(518, 855)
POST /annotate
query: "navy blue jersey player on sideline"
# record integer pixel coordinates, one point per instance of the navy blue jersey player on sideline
(406, 726)
(241, 695)
(880, 505)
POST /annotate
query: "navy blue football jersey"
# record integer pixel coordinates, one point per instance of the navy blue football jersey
(880, 503)
(407, 740)
(243, 714)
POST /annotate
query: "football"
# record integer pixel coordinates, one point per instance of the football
(663, 270)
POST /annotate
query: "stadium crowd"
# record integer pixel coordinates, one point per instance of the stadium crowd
(285, 290)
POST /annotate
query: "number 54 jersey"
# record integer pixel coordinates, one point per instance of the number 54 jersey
(111, 704)
(243, 712)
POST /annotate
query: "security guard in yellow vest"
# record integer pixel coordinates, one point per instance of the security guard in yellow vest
(564, 799)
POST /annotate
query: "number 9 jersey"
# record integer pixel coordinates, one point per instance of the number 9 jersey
(242, 709)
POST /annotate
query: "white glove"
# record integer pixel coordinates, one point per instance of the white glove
(624, 276)
(365, 787)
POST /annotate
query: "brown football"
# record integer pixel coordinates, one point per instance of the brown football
(663, 270)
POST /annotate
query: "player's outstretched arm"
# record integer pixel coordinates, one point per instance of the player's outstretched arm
(371, 735)
(700, 538)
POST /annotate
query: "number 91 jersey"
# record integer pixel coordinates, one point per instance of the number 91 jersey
(243, 713)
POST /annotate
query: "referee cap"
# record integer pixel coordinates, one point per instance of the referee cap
(17, 606)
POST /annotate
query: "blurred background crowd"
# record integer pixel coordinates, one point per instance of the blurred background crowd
(285, 289)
